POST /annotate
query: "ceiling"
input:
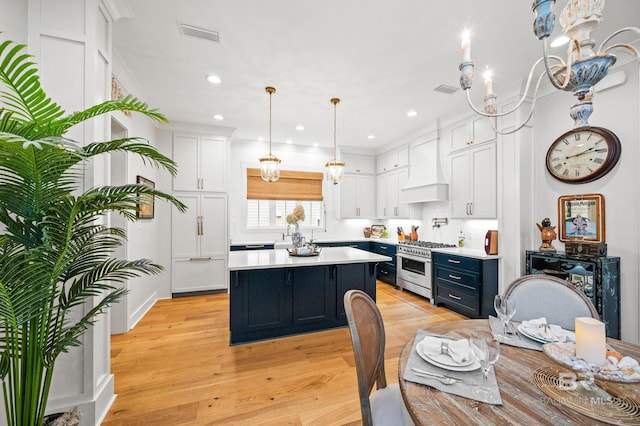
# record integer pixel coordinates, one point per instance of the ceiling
(381, 58)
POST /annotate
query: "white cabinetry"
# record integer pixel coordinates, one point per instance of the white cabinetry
(473, 182)
(388, 203)
(202, 163)
(471, 132)
(200, 243)
(393, 159)
(358, 163)
(357, 196)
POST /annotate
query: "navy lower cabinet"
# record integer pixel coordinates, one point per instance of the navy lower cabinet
(252, 247)
(386, 270)
(270, 303)
(465, 285)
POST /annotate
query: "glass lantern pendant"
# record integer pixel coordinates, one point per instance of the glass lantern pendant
(335, 168)
(270, 164)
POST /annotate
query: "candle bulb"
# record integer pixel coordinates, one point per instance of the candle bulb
(488, 83)
(466, 46)
(590, 340)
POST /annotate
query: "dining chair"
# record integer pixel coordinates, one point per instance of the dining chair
(540, 295)
(384, 406)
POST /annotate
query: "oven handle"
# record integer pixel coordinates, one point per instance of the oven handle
(416, 258)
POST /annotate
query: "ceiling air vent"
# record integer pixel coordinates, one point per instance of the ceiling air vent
(191, 31)
(443, 88)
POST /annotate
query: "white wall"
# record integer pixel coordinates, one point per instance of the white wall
(617, 109)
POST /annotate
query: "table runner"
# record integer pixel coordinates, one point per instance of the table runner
(459, 388)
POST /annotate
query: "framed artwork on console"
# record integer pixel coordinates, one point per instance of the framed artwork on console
(581, 217)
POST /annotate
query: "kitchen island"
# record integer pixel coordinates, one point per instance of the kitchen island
(274, 294)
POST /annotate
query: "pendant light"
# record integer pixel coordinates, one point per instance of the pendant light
(270, 164)
(334, 167)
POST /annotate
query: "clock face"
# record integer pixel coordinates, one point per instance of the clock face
(583, 154)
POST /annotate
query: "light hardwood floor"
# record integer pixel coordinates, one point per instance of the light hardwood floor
(176, 366)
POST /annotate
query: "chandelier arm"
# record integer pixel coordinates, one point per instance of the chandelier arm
(548, 66)
(524, 96)
(621, 30)
(629, 47)
(531, 111)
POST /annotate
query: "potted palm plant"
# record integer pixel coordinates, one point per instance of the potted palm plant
(55, 248)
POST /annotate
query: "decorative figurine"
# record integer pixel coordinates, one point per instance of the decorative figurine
(548, 234)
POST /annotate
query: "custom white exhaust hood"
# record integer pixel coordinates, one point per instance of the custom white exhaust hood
(425, 183)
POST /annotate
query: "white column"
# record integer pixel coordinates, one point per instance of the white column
(71, 42)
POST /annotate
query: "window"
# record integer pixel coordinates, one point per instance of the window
(268, 204)
(273, 213)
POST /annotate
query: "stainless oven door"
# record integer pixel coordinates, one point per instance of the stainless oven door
(414, 274)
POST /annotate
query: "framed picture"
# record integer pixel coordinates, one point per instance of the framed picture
(146, 205)
(581, 217)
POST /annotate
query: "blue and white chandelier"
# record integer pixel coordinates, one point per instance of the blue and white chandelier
(582, 69)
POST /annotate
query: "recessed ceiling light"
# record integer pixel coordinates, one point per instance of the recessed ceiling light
(289, 141)
(412, 113)
(299, 127)
(218, 117)
(560, 41)
(315, 144)
(371, 136)
(213, 79)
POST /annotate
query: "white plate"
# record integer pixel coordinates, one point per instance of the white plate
(569, 335)
(474, 365)
(441, 358)
(522, 329)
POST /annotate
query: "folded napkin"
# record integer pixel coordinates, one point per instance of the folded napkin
(458, 350)
(539, 328)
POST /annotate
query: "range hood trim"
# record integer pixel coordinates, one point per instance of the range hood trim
(425, 193)
(425, 182)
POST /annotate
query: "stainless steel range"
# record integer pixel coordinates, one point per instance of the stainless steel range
(414, 266)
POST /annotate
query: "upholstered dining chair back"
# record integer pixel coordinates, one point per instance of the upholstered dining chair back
(384, 405)
(546, 296)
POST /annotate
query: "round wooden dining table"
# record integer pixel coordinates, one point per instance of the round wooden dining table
(523, 402)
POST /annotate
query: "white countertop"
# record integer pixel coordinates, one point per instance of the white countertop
(268, 259)
(393, 241)
(461, 251)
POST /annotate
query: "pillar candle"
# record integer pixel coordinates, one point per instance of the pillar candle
(590, 340)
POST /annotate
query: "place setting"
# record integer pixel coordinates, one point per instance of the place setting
(458, 366)
(529, 334)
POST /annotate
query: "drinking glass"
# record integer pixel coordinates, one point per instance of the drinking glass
(487, 351)
(505, 309)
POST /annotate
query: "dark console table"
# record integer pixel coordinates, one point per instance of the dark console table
(597, 277)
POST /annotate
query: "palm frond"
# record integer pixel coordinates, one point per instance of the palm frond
(146, 152)
(129, 102)
(24, 93)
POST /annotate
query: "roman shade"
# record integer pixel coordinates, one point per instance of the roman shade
(299, 186)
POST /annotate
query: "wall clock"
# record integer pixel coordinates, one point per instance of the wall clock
(583, 154)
